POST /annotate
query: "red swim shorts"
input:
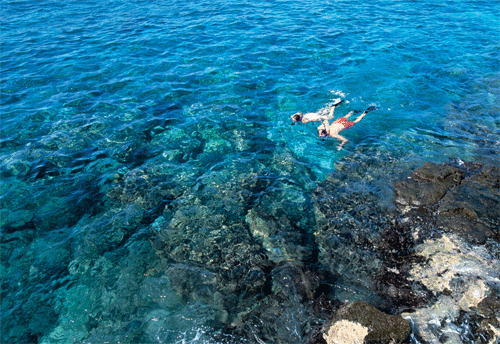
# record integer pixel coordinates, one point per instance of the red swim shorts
(344, 122)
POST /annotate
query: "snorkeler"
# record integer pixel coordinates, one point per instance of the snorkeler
(340, 124)
(316, 116)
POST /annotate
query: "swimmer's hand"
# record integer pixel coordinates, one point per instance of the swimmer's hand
(371, 108)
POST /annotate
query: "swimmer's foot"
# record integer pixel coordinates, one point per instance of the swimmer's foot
(337, 103)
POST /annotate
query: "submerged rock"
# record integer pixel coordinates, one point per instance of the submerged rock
(15, 220)
(292, 279)
(280, 239)
(359, 322)
(348, 225)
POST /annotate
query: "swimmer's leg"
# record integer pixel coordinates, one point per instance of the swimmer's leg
(350, 113)
(330, 115)
(332, 108)
(360, 117)
(371, 108)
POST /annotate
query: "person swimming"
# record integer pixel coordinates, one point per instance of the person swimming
(318, 116)
(341, 123)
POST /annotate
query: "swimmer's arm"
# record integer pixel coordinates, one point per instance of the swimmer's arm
(341, 138)
(344, 141)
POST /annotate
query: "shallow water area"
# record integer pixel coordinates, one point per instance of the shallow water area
(154, 191)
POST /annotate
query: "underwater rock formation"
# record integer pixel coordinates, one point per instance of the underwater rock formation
(239, 225)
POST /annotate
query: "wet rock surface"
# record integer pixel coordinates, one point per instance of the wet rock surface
(460, 276)
(360, 321)
(453, 210)
(463, 198)
(365, 244)
(427, 184)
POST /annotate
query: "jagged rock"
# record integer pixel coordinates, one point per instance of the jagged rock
(461, 276)
(489, 307)
(427, 184)
(464, 199)
(472, 208)
(359, 322)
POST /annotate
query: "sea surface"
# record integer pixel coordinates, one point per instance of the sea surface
(140, 138)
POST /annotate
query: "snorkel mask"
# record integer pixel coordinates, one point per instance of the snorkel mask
(322, 133)
(296, 117)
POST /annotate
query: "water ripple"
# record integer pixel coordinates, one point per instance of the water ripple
(104, 100)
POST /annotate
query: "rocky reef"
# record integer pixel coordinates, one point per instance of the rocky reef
(271, 267)
(251, 252)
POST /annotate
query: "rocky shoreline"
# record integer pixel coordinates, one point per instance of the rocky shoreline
(446, 266)
(460, 206)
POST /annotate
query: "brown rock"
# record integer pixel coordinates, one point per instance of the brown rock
(427, 184)
(359, 321)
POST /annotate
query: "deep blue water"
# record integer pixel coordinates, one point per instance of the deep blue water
(115, 114)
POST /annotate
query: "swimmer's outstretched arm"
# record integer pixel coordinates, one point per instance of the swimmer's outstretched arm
(341, 138)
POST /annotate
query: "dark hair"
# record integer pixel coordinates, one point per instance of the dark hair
(297, 117)
(322, 132)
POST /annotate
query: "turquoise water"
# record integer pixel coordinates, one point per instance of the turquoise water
(132, 128)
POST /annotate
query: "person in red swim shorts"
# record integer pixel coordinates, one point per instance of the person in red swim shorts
(340, 124)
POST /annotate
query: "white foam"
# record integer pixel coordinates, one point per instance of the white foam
(338, 93)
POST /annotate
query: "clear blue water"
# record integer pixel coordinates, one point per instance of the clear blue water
(116, 114)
